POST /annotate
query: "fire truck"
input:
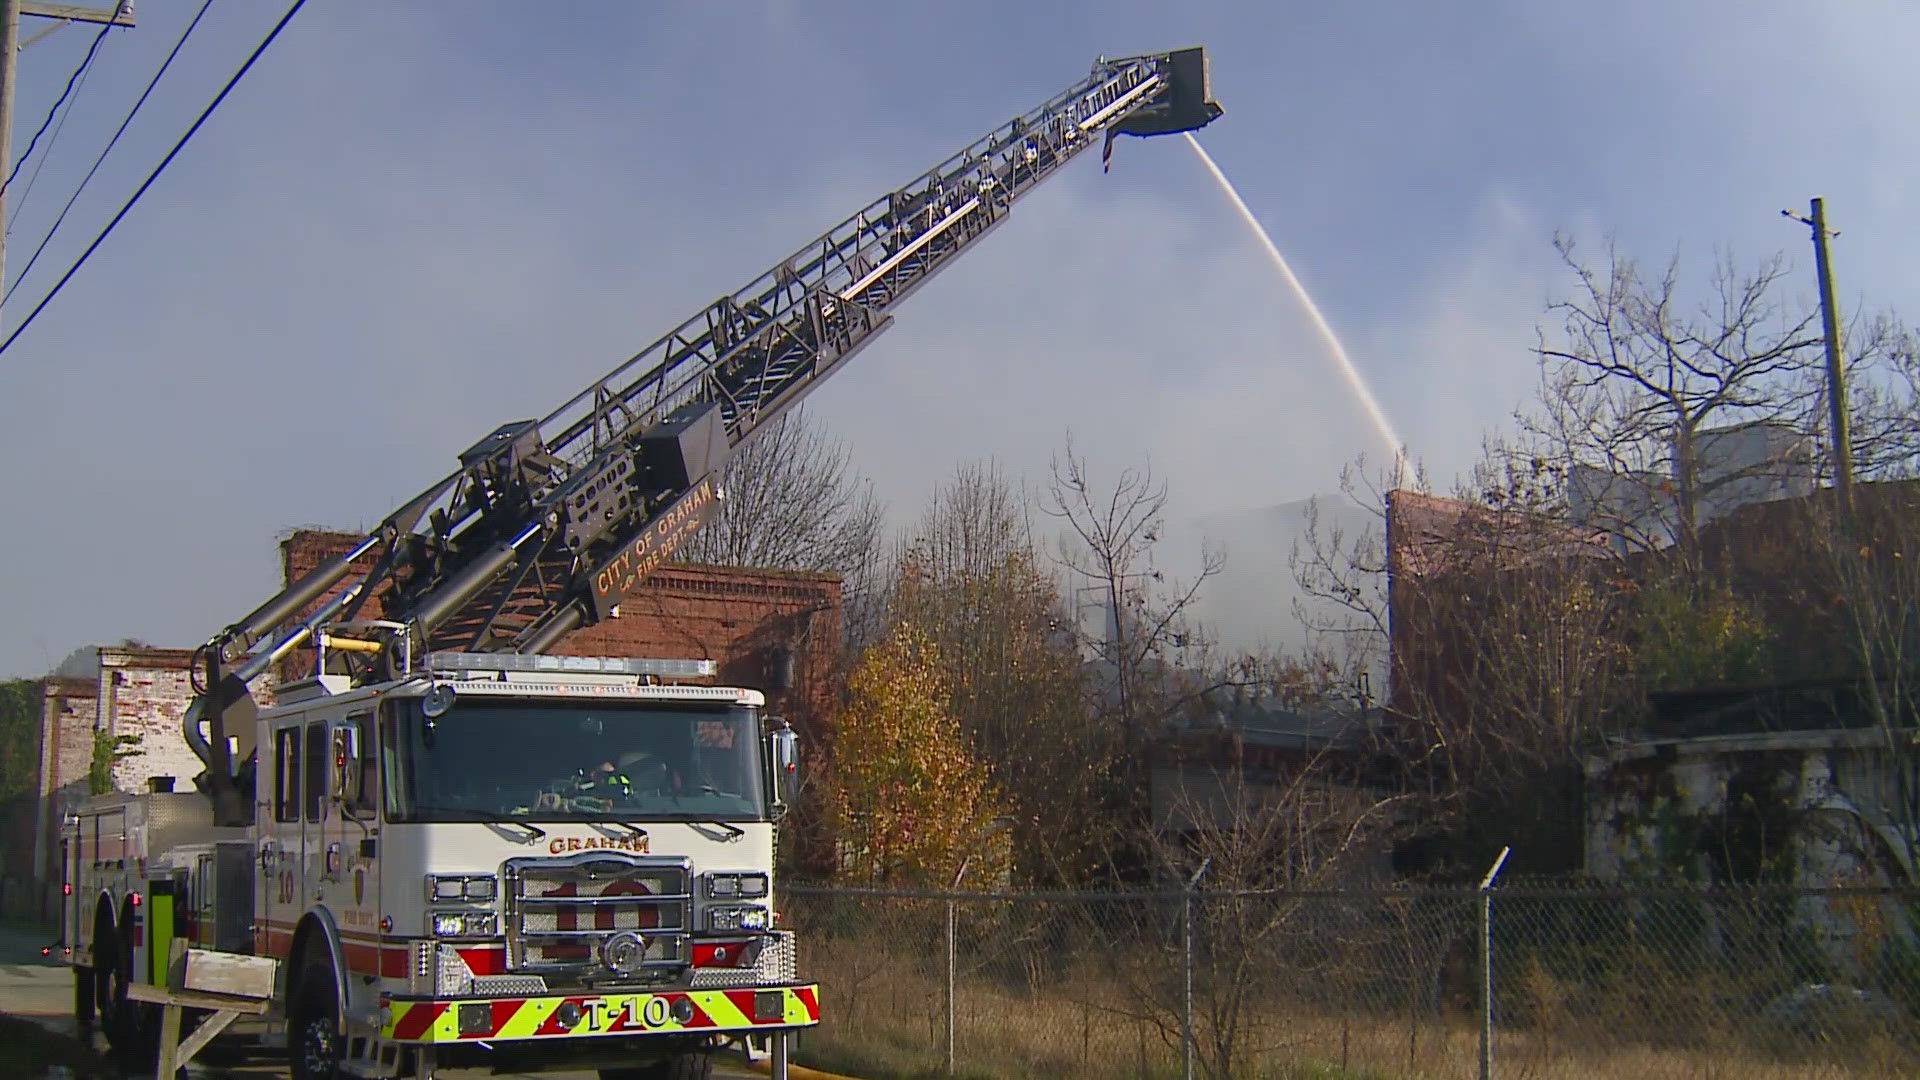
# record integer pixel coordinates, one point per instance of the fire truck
(464, 850)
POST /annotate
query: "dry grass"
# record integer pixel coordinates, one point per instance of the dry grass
(884, 1010)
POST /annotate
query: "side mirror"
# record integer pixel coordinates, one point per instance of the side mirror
(784, 752)
(346, 762)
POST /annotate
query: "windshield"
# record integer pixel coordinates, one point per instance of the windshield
(562, 761)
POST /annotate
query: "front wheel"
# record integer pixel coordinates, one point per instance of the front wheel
(315, 1044)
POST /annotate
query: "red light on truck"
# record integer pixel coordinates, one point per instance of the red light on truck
(66, 889)
(134, 899)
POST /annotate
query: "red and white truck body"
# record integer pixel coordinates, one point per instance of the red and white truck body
(469, 866)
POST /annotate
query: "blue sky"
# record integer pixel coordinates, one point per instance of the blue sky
(411, 223)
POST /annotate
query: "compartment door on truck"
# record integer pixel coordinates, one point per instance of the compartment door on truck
(348, 831)
(279, 895)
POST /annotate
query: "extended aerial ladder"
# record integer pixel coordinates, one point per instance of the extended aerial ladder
(548, 524)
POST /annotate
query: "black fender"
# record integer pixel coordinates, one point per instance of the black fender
(317, 930)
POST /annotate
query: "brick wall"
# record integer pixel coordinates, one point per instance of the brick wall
(69, 708)
(72, 707)
(144, 693)
(740, 618)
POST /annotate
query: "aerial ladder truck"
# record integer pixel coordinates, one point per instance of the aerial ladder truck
(410, 831)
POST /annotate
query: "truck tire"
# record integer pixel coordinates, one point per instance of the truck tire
(315, 1043)
(132, 1028)
(688, 1065)
(84, 981)
(102, 952)
(116, 973)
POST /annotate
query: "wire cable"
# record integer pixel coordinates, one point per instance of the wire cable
(14, 211)
(61, 100)
(111, 143)
(154, 175)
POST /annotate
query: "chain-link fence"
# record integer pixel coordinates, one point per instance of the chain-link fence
(1582, 982)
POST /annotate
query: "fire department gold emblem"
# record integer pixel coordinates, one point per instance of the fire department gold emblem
(359, 884)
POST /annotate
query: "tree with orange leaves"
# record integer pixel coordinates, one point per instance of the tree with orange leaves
(910, 800)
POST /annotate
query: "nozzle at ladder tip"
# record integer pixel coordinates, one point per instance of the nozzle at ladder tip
(1187, 105)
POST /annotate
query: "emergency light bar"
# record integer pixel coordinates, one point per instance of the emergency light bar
(567, 665)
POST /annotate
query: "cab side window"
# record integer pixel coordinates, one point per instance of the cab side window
(369, 796)
(316, 771)
(286, 785)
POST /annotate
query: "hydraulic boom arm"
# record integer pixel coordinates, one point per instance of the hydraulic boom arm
(547, 525)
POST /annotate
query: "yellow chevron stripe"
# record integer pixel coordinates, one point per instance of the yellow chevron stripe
(721, 1008)
(525, 1022)
(797, 1009)
(602, 1014)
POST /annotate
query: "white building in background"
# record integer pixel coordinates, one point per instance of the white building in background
(1734, 466)
(1635, 509)
(1751, 463)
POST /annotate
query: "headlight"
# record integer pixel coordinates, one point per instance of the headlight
(745, 886)
(743, 917)
(442, 888)
(463, 924)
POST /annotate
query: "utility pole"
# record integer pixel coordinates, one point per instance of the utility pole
(1836, 372)
(9, 53)
(10, 12)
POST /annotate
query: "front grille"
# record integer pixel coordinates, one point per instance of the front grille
(561, 911)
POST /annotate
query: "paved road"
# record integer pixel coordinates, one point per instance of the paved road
(41, 989)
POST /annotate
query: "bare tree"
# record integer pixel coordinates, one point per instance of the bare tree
(1345, 603)
(974, 522)
(1633, 382)
(1259, 845)
(1108, 549)
(794, 502)
(1883, 391)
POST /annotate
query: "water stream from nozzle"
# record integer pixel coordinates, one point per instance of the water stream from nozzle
(1344, 363)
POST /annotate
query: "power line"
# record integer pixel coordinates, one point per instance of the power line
(85, 62)
(131, 113)
(155, 175)
(13, 217)
(52, 141)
